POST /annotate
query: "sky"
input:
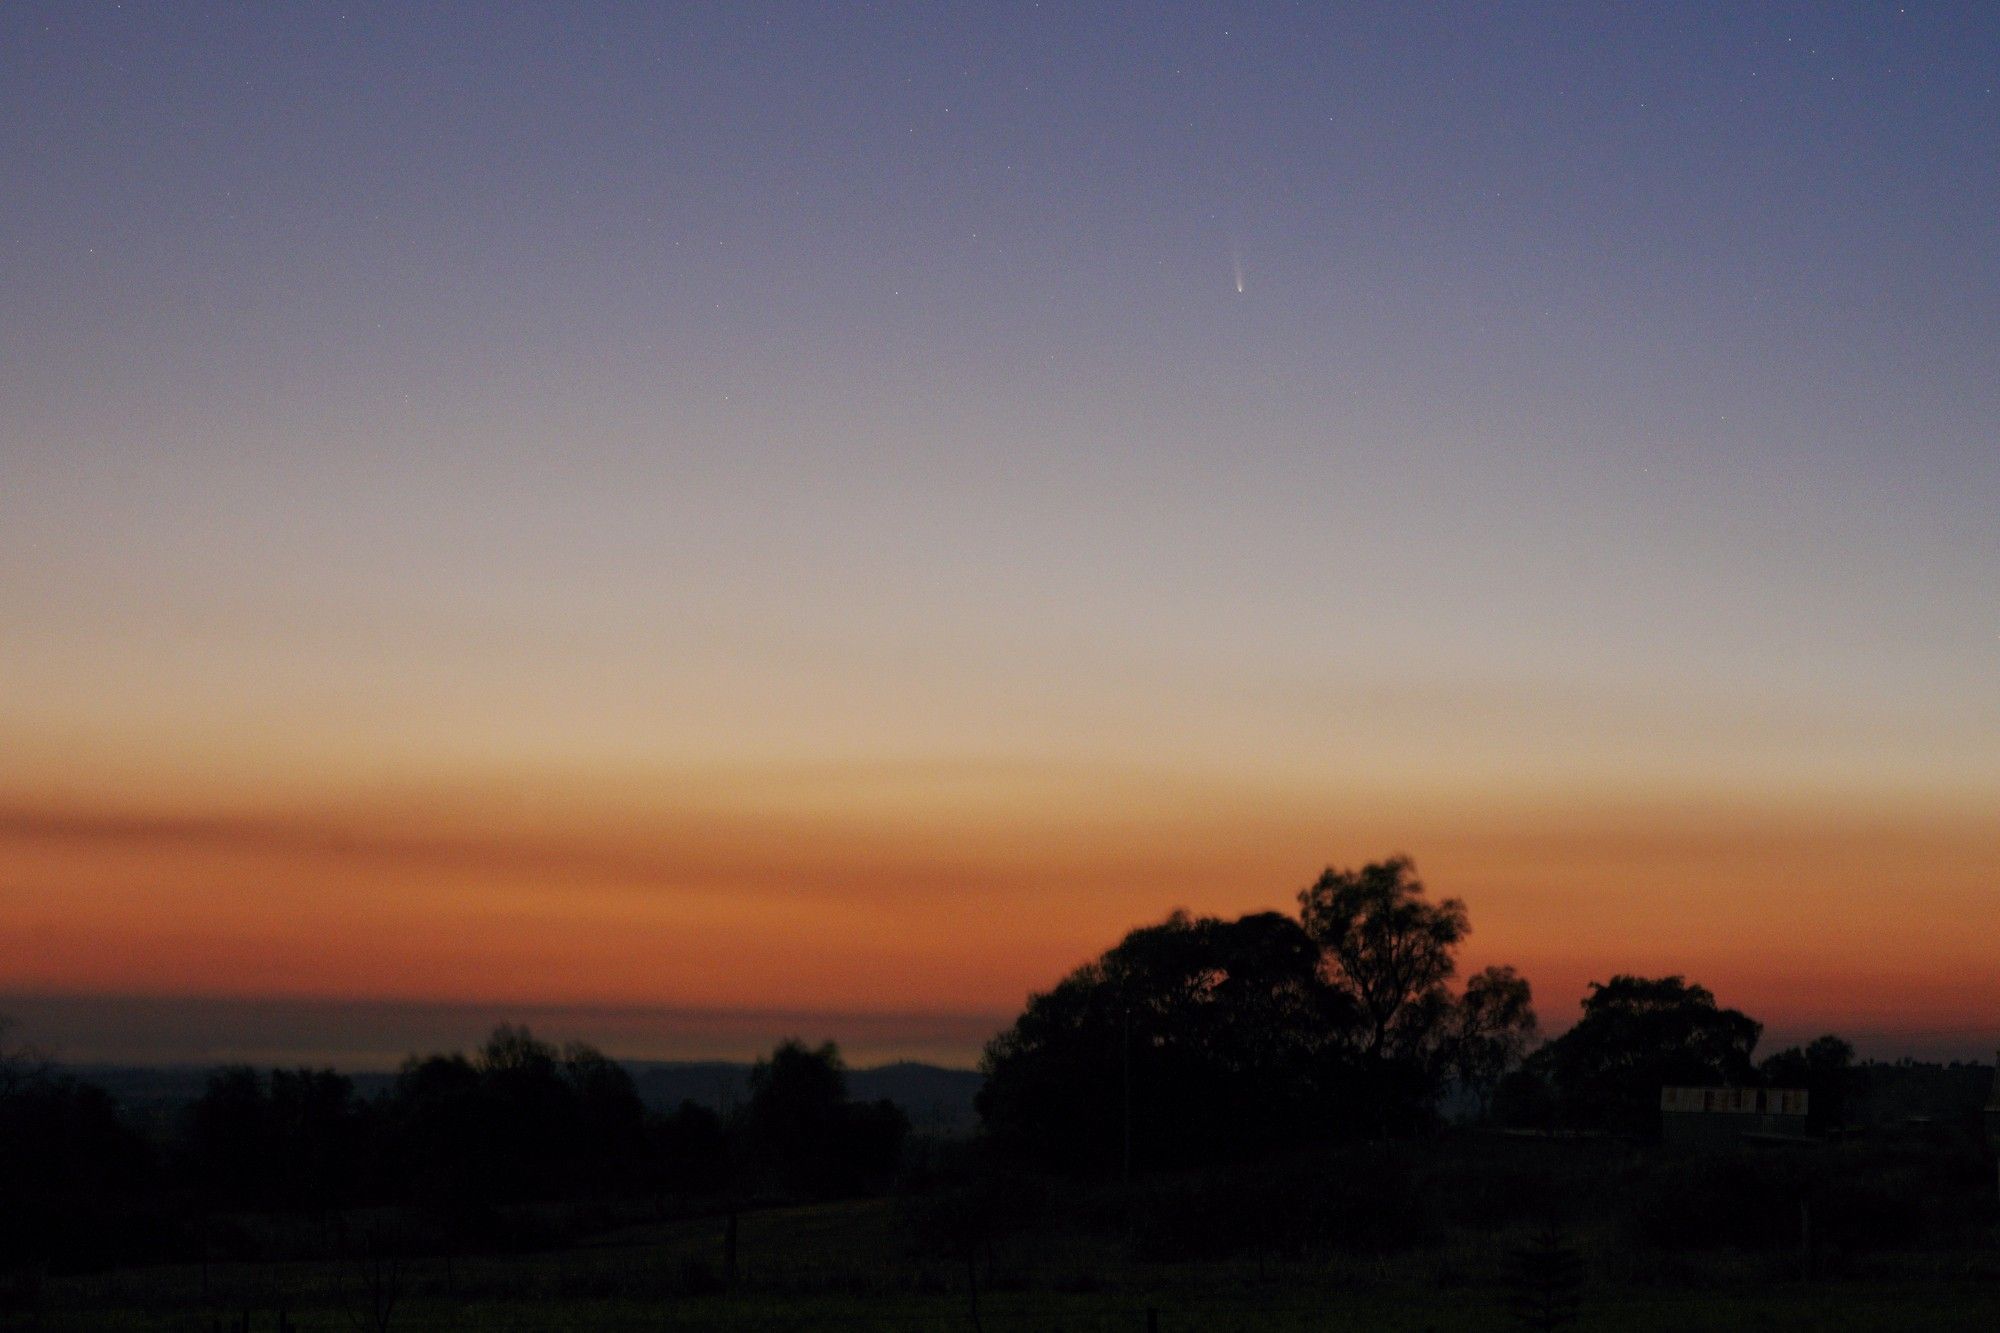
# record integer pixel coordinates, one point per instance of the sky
(699, 524)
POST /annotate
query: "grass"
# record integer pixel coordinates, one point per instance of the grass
(848, 1267)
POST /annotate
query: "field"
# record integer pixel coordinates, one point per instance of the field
(850, 1267)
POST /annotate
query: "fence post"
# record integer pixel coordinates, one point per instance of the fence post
(1152, 1320)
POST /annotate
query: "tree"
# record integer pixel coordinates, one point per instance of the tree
(444, 1137)
(536, 1123)
(229, 1134)
(1638, 1035)
(808, 1136)
(513, 1050)
(1193, 1040)
(520, 1120)
(293, 1140)
(610, 1117)
(794, 1117)
(1388, 949)
(1824, 1067)
(689, 1151)
(1488, 1031)
(66, 1158)
(314, 1132)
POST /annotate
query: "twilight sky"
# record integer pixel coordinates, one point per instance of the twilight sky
(698, 525)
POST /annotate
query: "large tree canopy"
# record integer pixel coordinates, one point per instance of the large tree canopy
(523, 1119)
(1193, 1039)
(1199, 1039)
(1638, 1035)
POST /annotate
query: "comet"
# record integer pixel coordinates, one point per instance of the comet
(1236, 263)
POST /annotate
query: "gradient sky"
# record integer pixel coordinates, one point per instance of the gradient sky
(703, 524)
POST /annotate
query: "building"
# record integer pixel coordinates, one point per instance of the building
(1720, 1117)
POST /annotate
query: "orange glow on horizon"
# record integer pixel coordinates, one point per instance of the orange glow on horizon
(1801, 916)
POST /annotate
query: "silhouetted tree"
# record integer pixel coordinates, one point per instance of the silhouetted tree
(520, 1120)
(1391, 952)
(451, 1138)
(229, 1135)
(444, 1138)
(66, 1159)
(1200, 1039)
(1488, 1031)
(1387, 948)
(316, 1137)
(795, 1116)
(1193, 1040)
(294, 1140)
(808, 1137)
(1824, 1067)
(1638, 1035)
(690, 1151)
(534, 1112)
(610, 1118)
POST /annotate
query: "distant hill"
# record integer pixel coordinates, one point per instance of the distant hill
(937, 1100)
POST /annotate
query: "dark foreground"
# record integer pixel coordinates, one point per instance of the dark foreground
(853, 1266)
